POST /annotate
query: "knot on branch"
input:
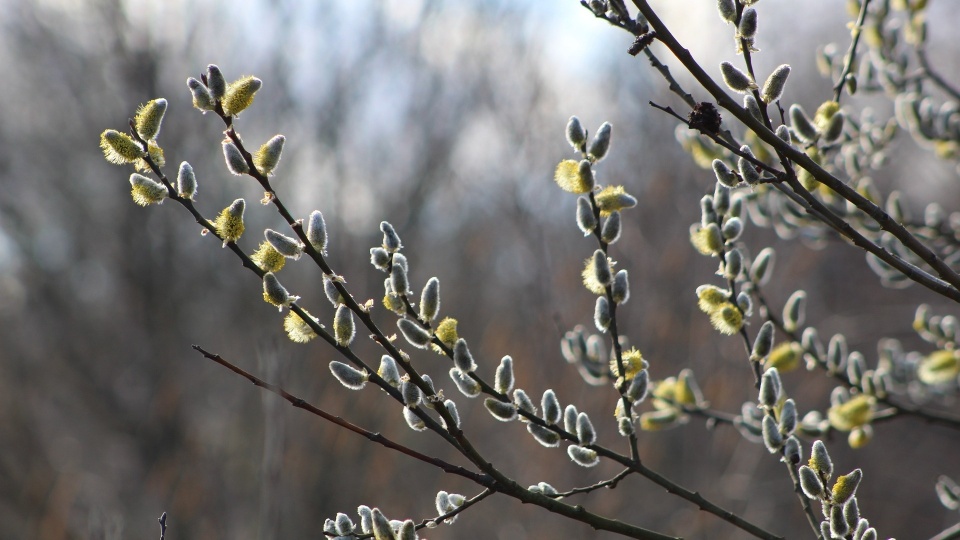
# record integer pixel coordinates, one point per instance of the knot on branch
(705, 118)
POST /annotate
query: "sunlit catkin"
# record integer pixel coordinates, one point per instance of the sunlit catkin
(236, 164)
(576, 135)
(585, 457)
(203, 100)
(343, 326)
(149, 118)
(391, 240)
(414, 333)
(186, 181)
(317, 232)
(601, 142)
(119, 148)
(229, 223)
(267, 157)
(146, 191)
(501, 410)
(275, 293)
(286, 246)
(465, 383)
(503, 380)
(776, 82)
(348, 376)
(735, 79)
(430, 300)
(239, 95)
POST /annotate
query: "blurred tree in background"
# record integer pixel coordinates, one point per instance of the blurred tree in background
(442, 118)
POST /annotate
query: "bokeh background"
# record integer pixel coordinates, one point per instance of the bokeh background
(446, 119)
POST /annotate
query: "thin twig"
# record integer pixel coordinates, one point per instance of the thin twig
(937, 79)
(611, 483)
(948, 534)
(852, 53)
(299, 403)
(163, 525)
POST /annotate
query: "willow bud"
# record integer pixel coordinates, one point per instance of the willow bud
(620, 290)
(410, 393)
(235, 162)
(792, 452)
(585, 457)
(772, 438)
(601, 315)
(501, 410)
(610, 232)
(149, 117)
(834, 127)
(810, 482)
(407, 530)
(846, 486)
(752, 107)
(348, 376)
(382, 529)
(838, 523)
(820, 460)
(215, 82)
(119, 148)
(399, 282)
(762, 266)
(794, 311)
(267, 157)
(746, 167)
(735, 79)
(202, 99)
(239, 95)
(586, 219)
(414, 333)
(503, 381)
(388, 370)
(186, 181)
(286, 246)
(601, 268)
(146, 191)
(724, 174)
(343, 326)
(770, 387)
(576, 135)
(763, 344)
(545, 436)
(788, 417)
(783, 133)
(524, 403)
(638, 388)
(585, 170)
(344, 524)
(462, 357)
(551, 407)
(748, 23)
(570, 419)
(229, 223)
(801, 124)
(585, 432)
(776, 82)
(379, 257)
(391, 240)
(721, 199)
(601, 142)
(430, 300)
(317, 232)
(465, 383)
(274, 293)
